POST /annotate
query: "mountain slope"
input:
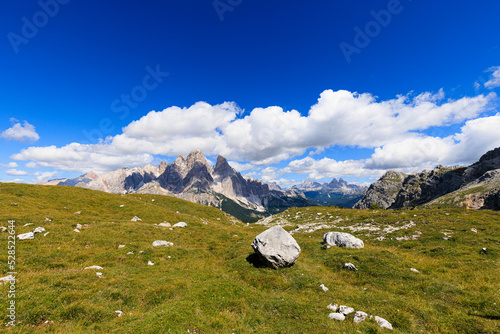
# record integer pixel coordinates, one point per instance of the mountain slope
(336, 192)
(193, 179)
(205, 283)
(476, 186)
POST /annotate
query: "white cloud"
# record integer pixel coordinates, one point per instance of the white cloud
(16, 172)
(21, 132)
(10, 165)
(44, 176)
(269, 135)
(495, 78)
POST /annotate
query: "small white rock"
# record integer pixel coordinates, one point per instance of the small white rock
(98, 274)
(79, 226)
(94, 267)
(140, 252)
(359, 316)
(383, 323)
(135, 219)
(333, 307)
(414, 270)
(345, 310)
(76, 230)
(26, 236)
(164, 224)
(158, 243)
(121, 246)
(6, 279)
(45, 234)
(77, 213)
(130, 253)
(38, 230)
(337, 316)
(473, 230)
(180, 224)
(28, 224)
(322, 286)
(121, 206)
(350, 266)
(119, 313)
(150, 263)
(48, 219)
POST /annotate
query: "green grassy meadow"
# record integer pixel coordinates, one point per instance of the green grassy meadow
(206, 284)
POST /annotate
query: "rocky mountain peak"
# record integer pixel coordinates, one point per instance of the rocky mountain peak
(222, 167)
(194, 157)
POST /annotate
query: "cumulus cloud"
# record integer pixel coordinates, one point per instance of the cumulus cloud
(44, 176)
(495, 78)
(16, 172)
(21, 132)
(266, 136)
(10, 165)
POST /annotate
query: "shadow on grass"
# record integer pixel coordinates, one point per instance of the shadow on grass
(256, 261)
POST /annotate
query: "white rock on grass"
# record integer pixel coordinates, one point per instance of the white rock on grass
(26, 236)
(119, 313)
(383, 323)
(322, 286)
(473, 230)
(76, 230)
(333, 307)
(48, 219)
(38, 230)
(3, 229)
(135, 219)
(150, 263)
(345, 310)
(158, 243)
(164, 225)
(79, 226)
(130, 253)
(414, 270)
(121, 246)
(337, 316)
(350, 266)
(99, 274)
(359, 316)
(276, 247)
(121, 206)
(180, 224)
(28, 224)
(93, 267)
(342, 240)
(45, 234)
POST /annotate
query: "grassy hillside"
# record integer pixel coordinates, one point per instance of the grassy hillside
(205, 283)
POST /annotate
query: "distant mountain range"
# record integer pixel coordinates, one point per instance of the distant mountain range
(193, 179)
(337, 192)
(474, 187)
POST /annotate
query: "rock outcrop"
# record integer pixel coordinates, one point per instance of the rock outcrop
(276, 248)
(475, 187)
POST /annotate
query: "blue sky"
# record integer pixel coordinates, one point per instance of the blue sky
(286, 90)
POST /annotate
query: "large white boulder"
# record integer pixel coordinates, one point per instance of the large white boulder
(276, 248)
(342, 240)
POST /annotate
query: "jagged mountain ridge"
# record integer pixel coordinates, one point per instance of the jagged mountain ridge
(476, 186)
(193, 179)
(337, 192)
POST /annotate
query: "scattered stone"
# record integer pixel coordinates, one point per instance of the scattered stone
(28, 224)
(121, 206)
(130, 253)
(180, 224)
(99, 274)
(359, 316)
(94, 267)
(342, 240)
(483, 251)
(383, 323)
(26, 236)
(119, 313)
(473, 230)
(38, 230)
(45, 234)
(76, 230)
(414, 270)
(350, 266)
(152, 200)
(333, 307)
(141, 252)
(77, 213)
(136, 219)
(3, 229)
(150, 263)
(48, 219)
(276, 247)
(48, 322)
(322, 286)
(345, 310)
(6, 279)
(337, 316)
(79, 226)
(121, 246)
(158, 243)
(164, 224)
(445, 238)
